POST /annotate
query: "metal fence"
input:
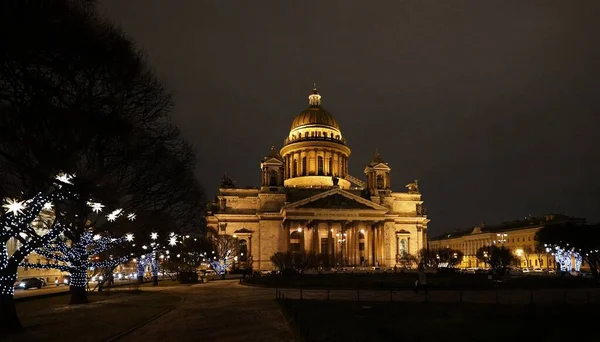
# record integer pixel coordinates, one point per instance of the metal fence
(499, 296)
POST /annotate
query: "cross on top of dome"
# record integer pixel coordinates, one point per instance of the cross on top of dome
(314, 99)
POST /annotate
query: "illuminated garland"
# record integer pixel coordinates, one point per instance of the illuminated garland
(16, 223)
(564, 258)
(150, 257)
(221, 266)
(76, 259)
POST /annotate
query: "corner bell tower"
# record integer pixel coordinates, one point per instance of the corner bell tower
(272, 169)
(378, 177)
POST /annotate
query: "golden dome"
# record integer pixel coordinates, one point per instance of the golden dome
(314, 114)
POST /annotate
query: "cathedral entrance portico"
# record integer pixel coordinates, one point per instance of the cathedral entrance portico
(350, 243)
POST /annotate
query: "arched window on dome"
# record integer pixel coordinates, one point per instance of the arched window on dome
(320, 166)
(306, 134)
(295, 168)
(304, 166)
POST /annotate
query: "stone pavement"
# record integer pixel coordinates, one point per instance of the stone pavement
(218, 311)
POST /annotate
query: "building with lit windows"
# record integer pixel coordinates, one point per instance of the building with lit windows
(518, 236)
(308, 201)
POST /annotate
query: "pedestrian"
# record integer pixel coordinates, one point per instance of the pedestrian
(395, 268)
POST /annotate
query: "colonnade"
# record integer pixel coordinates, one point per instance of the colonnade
(356, 243)
(315, 162)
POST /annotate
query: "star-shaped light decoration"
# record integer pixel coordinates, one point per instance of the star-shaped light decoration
(144, 247)
(154, 236)
(65, 178)
(131, 216)
(173, 240)
(48, 206)
(96, 207)
(129, 237)
(97, 237)
(13, 206)
(113, 216)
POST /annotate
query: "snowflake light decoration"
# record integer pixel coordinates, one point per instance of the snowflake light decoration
(129, 237)
(65, 178)
(113, 216)
(154, 236)
(173, 240)
(13, 206)
(131, 216)
(48, 206)
(96, 207)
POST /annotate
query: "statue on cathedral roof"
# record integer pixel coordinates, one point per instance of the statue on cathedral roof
(413, 188)
(227, 182)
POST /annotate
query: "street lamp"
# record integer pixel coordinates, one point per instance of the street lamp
(502, 237)
(341, 239)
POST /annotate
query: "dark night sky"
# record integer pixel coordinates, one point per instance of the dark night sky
(493, 105)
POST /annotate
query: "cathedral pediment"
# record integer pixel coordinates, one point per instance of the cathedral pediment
(335, 199)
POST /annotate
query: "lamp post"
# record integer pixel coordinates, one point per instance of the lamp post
(502, 237)
(341, 239)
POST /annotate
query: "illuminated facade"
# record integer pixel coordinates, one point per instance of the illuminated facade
(307, 201)
(518, 236)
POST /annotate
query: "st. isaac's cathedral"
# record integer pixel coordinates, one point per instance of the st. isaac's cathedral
(307, 201)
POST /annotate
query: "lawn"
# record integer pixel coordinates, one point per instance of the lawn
(108, 314)
(391, 281)
(320, 320)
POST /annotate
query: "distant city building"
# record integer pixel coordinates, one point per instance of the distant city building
(307, 201)
(518, 236)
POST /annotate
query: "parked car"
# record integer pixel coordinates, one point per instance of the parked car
(29, 283)
(62, 280)
(538, 270)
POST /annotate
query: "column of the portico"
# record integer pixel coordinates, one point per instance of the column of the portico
(374, 244)
(397, 251)
(315, 231)
(286, 229)
(368, 243)
(249, 256)
(330, 250)
(380, 244)
(356, 243)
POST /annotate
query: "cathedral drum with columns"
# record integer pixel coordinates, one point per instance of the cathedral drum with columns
(308, 202)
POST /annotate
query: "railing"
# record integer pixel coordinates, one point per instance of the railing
(355, 180)
(495, 296)
(339, 141)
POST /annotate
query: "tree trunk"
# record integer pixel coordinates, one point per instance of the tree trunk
(155, 280)
(8, 313)
(77, 287)
(78, 295)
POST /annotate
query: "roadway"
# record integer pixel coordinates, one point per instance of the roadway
(221, 311)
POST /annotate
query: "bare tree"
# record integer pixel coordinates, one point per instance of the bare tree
(77, 97)
(224, 250)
